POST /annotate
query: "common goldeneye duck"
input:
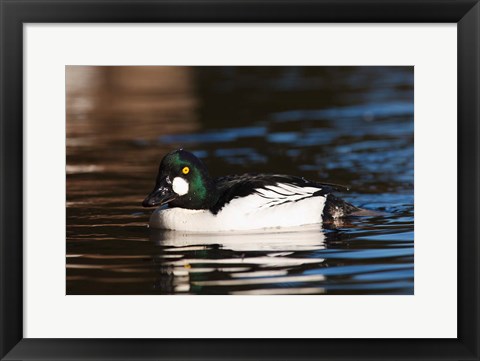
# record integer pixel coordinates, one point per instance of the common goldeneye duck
(200, 203)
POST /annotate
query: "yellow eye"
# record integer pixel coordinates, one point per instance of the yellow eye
(185, 170)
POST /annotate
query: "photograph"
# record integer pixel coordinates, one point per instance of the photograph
(239, 180)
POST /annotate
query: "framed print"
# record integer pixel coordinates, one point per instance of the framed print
(204, 180)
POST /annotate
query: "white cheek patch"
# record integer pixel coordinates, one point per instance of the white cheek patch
(180, 186)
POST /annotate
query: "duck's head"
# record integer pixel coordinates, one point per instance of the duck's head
(182, 181)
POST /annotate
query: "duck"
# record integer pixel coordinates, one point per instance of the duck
(189, 199)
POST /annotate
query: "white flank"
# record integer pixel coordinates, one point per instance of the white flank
(180, 186)
(279, 206)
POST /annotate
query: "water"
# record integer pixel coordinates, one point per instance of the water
(344, 125)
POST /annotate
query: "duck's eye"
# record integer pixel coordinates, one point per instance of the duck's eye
(185, 170)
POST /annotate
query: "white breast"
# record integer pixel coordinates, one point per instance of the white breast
(277, 206)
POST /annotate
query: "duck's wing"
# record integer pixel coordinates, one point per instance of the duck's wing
(268, 189)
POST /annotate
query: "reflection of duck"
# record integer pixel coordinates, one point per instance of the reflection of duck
(200, 203)
(238, 262)
(306, 238)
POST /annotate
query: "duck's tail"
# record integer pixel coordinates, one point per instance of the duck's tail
(336, 208)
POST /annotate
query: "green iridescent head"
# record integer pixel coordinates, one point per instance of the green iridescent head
(182, 181)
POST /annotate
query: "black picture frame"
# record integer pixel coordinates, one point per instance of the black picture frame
(15, 13)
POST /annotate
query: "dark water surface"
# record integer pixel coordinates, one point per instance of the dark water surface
(345, 125)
